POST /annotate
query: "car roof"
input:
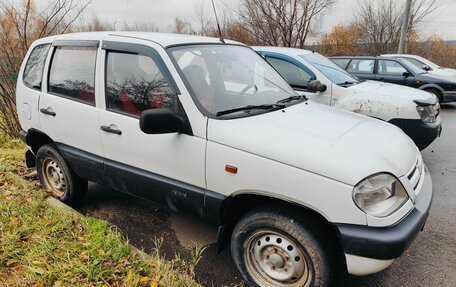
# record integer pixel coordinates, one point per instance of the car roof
(163, 39)
(284, 50)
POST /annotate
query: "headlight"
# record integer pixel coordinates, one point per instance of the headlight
(380, 195)
(428, 113)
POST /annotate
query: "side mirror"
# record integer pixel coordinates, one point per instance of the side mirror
(406, 74)
(316, 86)
(426, 68)
(160, 121)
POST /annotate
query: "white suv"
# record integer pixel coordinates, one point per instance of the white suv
(202, 127)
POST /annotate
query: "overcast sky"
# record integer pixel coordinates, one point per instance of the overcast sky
(163, 12)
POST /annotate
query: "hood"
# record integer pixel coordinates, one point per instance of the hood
(441, 75)
(393, 90)
(333, 143)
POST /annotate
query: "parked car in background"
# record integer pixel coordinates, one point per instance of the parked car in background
(425, 64)
(311, 74)
(398, 71)
(301, 190)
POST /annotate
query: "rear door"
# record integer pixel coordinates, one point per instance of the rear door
(67, 106)
(166, 168)
(362, 68)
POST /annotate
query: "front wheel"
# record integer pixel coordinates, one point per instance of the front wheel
(273, 248)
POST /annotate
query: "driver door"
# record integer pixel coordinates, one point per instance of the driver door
(166, 168)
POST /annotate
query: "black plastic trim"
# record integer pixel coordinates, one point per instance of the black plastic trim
(76, 43)
(423, 134)
(383, 243)
(23, 136)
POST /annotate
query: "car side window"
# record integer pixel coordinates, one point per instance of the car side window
(341, 62)
(72, 73)
(415, 62)
(391, 68)
(295, 76)
(361, 66)
(134, 83)
(33, 73)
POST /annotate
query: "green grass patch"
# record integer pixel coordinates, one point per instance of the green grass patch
(44, 246)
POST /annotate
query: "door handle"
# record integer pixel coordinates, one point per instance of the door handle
(48, 111)
(111, 130)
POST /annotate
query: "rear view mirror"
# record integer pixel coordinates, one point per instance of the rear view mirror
(160, 121)
(316, 86)
(406, 74)
(426, 68)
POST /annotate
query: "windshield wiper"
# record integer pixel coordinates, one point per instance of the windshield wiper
(249, 108)
(292, 98)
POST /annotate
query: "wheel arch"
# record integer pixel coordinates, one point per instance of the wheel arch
(36, 139)
(235, 207)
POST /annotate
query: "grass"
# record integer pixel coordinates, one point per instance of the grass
(43, 246)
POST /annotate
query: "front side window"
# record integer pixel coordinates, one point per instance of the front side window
(72, 73)
(341, 62)
(415, 62)
(33, 73)
(333, 72)
(390, 68)
(294, 75)
(224, 77)
(361, 66)
(134, 83)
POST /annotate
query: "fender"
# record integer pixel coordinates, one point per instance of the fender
(431, 86)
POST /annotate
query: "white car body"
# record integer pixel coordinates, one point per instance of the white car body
(307, 154)
(380, 100)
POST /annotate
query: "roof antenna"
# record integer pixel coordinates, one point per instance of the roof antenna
(218, 24)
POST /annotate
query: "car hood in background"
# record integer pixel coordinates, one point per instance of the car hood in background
(337, 144)
(393, 90)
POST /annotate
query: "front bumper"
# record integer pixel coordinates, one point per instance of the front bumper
(423, 134)
(449, 96)
(377, 247)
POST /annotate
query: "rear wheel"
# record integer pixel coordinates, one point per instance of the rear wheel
(56, 176)
(273, 248)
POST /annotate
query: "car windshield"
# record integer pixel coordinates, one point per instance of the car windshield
(227, 77)
(333, 72)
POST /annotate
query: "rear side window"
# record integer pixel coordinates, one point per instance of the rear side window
(33, 73)
(391, 68)
(134, 83)
(294, 75)
(361, 66)
(72, 73)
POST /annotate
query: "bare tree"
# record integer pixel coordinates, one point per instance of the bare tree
(280, 22)
(379, 23)
(21, 23)
(182, 27)
(204, 20)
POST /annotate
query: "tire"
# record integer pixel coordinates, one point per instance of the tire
(56, 176)
(437, 93)
(272, 247)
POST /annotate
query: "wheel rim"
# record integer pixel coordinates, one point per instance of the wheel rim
(275, 259)
(53, 177)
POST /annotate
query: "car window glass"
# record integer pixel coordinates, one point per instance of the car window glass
(134, 83)
(72, 73)
(415, 62)
(388, 67)
(362, 66)
(341, 62)
(33, 73)
(294, 75)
